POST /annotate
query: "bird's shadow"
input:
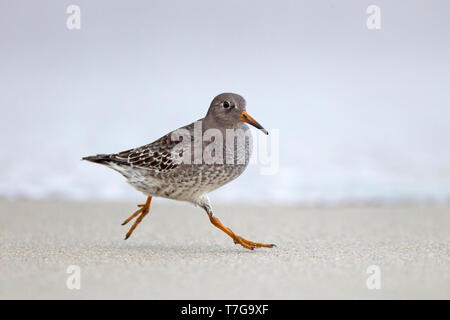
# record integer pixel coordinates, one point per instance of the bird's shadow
(187, 249)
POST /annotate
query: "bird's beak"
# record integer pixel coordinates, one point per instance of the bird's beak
(245, 117)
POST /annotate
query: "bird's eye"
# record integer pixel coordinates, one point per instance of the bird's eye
(226, 104)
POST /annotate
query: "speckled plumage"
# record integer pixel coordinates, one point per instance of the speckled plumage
(156, 170)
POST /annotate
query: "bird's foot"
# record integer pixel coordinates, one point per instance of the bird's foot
(250, 244)
(237, 239)
(142, 206)
(142, 212)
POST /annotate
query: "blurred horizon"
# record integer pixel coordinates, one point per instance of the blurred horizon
(363, 115)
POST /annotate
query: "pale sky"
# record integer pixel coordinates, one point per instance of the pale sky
(357, 109)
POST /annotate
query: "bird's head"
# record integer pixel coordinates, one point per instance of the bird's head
(228, 110)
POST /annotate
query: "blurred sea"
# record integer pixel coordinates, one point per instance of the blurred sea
(309, 178)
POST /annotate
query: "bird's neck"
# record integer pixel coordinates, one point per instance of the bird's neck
(212, 123)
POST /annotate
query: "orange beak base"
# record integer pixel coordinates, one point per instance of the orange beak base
(245, 117)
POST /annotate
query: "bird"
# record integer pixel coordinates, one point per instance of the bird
(188, 163)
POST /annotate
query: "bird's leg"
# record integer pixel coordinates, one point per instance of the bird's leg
(237, 239)
(144, 209)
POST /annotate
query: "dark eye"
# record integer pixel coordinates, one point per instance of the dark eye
(226, 104)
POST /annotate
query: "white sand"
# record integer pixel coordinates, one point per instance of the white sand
(176, 253)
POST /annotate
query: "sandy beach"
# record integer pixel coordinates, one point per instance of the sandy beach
(177, 254)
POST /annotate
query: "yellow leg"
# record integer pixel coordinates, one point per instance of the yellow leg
(144, 209)
(237, 239)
